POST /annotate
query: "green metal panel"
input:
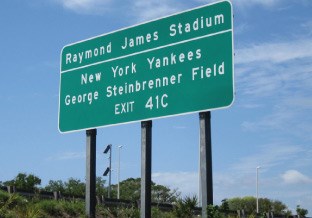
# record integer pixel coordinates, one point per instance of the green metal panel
(175, 65)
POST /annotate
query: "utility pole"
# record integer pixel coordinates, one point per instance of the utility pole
(257, 188)
(118, 174)
(109, 169)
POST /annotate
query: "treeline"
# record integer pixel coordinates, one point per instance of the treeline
(130, 190)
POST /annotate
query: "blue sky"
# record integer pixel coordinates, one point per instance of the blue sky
(269, 124)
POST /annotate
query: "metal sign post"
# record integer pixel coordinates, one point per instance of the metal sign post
(205, 161)
(146, 168)
(90, 173)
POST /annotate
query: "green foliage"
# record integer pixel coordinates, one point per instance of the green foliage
(225, 205)
(301, 211)
(72, 187)
(50, 208)
(10, 202)
(265, 205)
(184, 208)
(156, 212)
(73, 208)
(128, 212)
(57, 186)
(249, 205)
(130, 189)
(213, 211)
(100, 186)
(279, 208)
(13, 205)
(75, 187)
(28, 211)
(120, 212)
(163, 194)
(24, 182)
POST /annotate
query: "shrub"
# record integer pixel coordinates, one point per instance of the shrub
(9, 202)
(50, 208)
(73, 208)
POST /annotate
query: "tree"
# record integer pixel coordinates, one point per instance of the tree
(213, 211)
(301, 211)
(130, 189)
(163, 194)
(279, 208)
(24, 182)
(75, 187)
(184, 208)
(225, 205)
(235, 204)
(55, 186)
(249, 205)
(100, 186)
(265, 205)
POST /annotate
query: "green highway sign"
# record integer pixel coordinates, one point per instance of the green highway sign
(174, 65)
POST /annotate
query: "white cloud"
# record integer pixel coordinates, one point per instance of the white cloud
(308, 27)
(279, 74)
(255, 2)
(251, 106)
(247, 3)
(68, 156)
(186, 182)
(274, 52)
(85, 6)
(274, 68)
(151, 9)
(241, 28)
(295, 177)
(287, 116)
(139, 10)
(270, 155)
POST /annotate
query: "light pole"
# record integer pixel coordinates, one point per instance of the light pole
(118, 174)
(257, 187)
(109, 169)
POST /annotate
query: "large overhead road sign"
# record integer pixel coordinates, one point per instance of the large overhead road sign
(174, 65)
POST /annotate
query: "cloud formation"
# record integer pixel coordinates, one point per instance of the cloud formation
(85, 6)
(275, 52)
(138, 10)
(148, 10)
(295, 177)
(186, 182)
(68, 156)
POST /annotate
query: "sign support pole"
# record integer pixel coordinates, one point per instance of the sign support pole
(146, 168)
(205, 161)
(110, 171)
(91, 173)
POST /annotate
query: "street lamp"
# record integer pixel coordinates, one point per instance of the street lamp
(258, 167)
(109, 169)
(118, 174)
